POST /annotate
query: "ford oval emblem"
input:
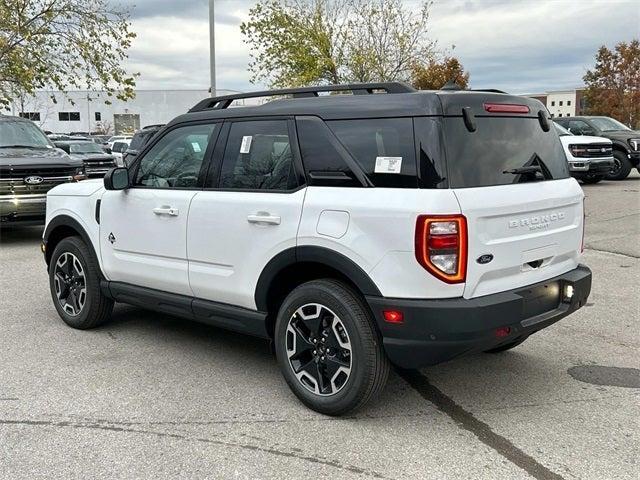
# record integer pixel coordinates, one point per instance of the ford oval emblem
(33, 180)
(486, 258)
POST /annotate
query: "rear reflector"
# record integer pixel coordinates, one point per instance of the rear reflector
(505, 108)
(441, 246)
(393, 316)
(503, 332)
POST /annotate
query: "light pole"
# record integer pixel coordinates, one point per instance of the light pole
(212, 47)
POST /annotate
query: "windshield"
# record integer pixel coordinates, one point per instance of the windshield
(22, 134)
(606, 124)
(88, 147)
(563, 132)
(502, 150)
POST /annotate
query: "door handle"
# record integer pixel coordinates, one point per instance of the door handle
(264, 217)
(173, 212)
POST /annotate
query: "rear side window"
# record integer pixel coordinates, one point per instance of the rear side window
(383, 148)
(499, 145)
(258, 157)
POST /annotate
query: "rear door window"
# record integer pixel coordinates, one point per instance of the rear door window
(384, 148)
(500, 145)
(258, 156)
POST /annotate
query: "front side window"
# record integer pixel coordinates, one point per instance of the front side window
(383, 147)
(175, 161)
(258, 157)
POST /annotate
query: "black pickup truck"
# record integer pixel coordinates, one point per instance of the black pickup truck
(30, 166)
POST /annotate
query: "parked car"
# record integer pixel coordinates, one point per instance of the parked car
(139, 140)
(590, 158)
(115, 138)
(117, 150)
(96, 161)
(626, 142)
(354, 231)
(29, 167)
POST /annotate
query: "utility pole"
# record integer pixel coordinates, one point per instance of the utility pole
(212, 47)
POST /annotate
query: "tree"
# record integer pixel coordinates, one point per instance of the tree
(307, 42)
(433, 75)
(613, 86)
(63, 44)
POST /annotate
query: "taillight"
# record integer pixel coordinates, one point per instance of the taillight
(441, 246)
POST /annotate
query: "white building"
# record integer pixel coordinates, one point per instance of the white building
(86, 111)
(562, 103)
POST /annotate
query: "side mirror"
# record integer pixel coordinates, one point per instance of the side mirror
(117, 179)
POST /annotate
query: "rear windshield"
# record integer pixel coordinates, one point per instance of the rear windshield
(500, 145)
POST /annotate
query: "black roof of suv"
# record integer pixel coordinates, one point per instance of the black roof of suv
(393, 99)
(447, 138)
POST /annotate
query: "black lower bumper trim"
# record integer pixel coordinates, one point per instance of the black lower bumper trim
(435, 331)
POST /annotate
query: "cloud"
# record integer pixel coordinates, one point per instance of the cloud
(515, 45)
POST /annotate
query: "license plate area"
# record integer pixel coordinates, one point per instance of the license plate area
(540, 299)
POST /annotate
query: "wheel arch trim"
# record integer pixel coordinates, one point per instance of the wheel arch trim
(69, 222)
(311, 254)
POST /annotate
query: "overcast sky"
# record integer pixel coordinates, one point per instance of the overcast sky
(526, 46)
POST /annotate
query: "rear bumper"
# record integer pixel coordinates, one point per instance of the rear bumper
(435, 331)
(23, 209)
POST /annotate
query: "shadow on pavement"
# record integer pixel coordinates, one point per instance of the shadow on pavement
(15, 235)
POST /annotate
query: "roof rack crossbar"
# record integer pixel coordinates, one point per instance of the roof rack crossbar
(303, 92)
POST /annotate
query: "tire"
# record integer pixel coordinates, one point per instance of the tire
(506, 346)
(621, 166)
(91, 307)
(330, 310)
(592, 179)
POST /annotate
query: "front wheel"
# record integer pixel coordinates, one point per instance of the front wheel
(74, 281)
(621, 167)
(328, 348)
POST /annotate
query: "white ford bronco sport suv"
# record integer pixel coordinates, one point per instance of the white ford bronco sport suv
(378, 226)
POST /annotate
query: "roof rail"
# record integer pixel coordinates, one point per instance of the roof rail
(304, 92)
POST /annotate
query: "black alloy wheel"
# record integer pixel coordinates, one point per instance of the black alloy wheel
(318, 349)
(70, 284)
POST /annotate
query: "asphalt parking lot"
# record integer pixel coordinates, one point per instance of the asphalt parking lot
(151, 396)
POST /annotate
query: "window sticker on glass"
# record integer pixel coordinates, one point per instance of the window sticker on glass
(388, 164)
(245, 147)
(196, 147)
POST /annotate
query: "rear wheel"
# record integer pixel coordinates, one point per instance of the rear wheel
(328, 349)
(74, 281)
(591, 179)
(621, 166)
